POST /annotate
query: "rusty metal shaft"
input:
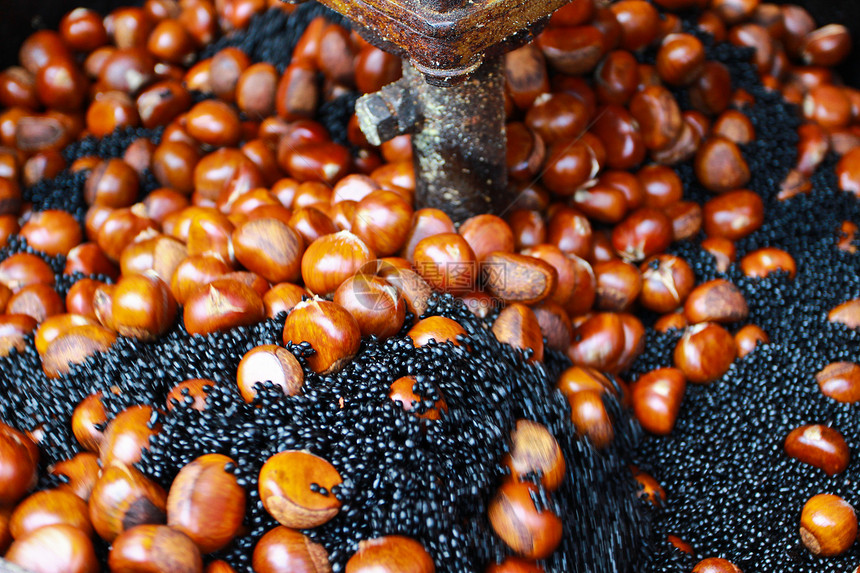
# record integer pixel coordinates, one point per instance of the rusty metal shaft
(458, 137)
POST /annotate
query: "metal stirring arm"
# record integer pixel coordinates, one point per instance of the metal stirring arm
(451, 96)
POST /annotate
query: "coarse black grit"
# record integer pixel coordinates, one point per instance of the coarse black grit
(731, 490)
(431, 481)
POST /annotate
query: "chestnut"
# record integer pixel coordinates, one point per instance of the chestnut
(643, 233)
(847, 313)
(223, 304)
(705, 352)
(53, 232)
(382, 220)
(286, 493)
(285, 550)
(516, 278)
(764, 261)
(436, 328)
(59, 548)
(282, 297)
(639, 23)
(192, 392)
(114, 183)
(270, 248)
(331, 330)
(331, 259)
(619, 283)
(390, 554)
(716, 565)
(123, 498)
(530, 532)
(87, 418)
(142, 306)
(18, 463)
(681, 59)
(553, 320)
(518, 327)
(840, 381)
(206, 503)
(649, 488)
(38, 301)
(214, 123)
(720, 166)
(723, 251)
(49, 507)
(514, 565)
(127, 434)
(447, 262)
(819, 446)
(657, 397)
(534, 450)
(577, 378)
(666, 282)
(717, 300)
(24, 269)
(374, 303)
(154, 547)
(590, 418)
(269, 363)
(74, 346)
(403, 390)
(733, 215)
(828, 525)
(79, 473)
(598, 341)
(748, 338)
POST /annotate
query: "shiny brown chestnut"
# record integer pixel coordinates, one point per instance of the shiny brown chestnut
(114, 183)
(767, 260)
(49, 507)
(531, 533)
(748, 338)
(657, 397)
(534, 450)
(54, 548)
(330, 329)
(436, 328)
(285, 491)
(374, 303)
(221, 305)
(206, 503)
(191, 392)
(157, 546)
(331, 259)
(78, 474)
(124, 498)
(666, 282)
(402, 390)
(18, 462)
(269, 363)
(705, 352)
(819, 446)
(87, 419)
(828, 525)
(74, 346)
(143, 306)
(717, 300)
(128, 434)
(840, 381)
(285, 550)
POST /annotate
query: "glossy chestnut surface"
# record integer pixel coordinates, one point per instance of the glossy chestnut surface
(206, 503)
